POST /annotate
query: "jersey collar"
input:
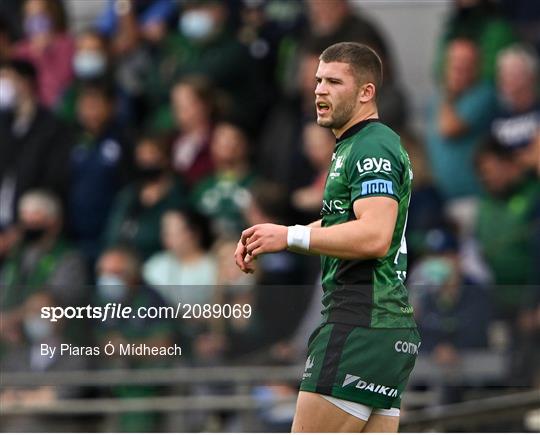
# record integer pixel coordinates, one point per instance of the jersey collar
(351, 131)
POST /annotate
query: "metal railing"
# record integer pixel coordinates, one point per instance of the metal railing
(467, 414)
(472, 413)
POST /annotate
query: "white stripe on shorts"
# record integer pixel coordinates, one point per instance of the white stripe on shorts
(359, 410)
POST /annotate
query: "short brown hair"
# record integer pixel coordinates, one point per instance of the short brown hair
(364, 61)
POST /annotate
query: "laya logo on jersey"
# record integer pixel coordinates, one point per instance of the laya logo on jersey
(373, 164)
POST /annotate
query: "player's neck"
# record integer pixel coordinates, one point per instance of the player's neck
(365, 112)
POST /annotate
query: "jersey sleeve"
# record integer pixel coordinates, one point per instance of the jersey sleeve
(375, 169)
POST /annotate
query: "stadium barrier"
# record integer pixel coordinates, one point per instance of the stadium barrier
(462, 415)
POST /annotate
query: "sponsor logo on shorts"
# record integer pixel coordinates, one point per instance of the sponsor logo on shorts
(369, 386)
(309, 365)
(377, 186)
(406, 347)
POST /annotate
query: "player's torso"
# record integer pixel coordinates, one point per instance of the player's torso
(367, 292)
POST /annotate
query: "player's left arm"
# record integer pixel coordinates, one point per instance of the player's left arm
(368, 236)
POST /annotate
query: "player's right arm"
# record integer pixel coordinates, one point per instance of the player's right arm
(316, 224)
(244, 260)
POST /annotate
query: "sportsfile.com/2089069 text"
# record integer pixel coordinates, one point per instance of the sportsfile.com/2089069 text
(114, 310)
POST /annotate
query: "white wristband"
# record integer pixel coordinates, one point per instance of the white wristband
(298, 237)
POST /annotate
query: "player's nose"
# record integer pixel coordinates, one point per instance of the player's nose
(320, 89)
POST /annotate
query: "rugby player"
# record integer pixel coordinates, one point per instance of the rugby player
(361, 356)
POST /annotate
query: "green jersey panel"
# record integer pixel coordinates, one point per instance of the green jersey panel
(368, 161)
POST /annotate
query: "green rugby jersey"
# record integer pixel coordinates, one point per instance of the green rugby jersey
(368, 161)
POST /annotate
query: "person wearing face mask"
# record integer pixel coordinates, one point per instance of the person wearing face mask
(34, 145)
(100, 163)
(48, 46)
(139, 207)
(453, 308)
(119, 280)
(92, 62)
(204, 46)
(42, 258)
(25, 355)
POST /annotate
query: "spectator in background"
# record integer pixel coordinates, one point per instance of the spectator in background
(136, 18)
(93, 62)
(232, 288)
(458, 120)
(35, 146)
(224, 196)
(139, 207)
(25, 356)
(508, 227)
(204, 46)
(99, 165)
(517, 125)
(276, 275)
(193, 101)
(119, 280)
(452, 310)
(48, 46)
(136, 30)
(279, 157)
(336, 21)
(185, 271)
(42, 260)
(481, 22)
(319, 145)
(270, 30)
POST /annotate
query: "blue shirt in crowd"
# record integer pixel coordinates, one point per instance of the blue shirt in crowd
(452, 158)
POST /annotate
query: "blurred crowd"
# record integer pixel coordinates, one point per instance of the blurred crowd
(135, 151)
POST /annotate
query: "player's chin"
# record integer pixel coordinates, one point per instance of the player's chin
(324, 121)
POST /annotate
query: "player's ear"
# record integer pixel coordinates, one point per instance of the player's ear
(367, 92)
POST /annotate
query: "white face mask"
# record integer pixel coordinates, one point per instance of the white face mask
(112, 288)
(89, 64)
(37, 329)
(196, 24)
(8, 93)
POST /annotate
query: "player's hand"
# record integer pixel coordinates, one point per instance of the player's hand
(264, 238)
(241, 257)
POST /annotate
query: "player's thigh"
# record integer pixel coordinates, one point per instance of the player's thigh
(316, 414)
(381, 423)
